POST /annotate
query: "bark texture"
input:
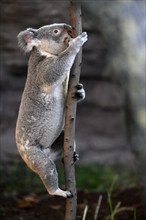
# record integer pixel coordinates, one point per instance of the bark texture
(70, 118)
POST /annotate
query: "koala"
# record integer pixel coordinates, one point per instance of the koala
(40, 123)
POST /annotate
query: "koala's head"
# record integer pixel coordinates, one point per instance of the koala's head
(51, 39)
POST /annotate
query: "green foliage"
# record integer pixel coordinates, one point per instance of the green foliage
(113, 210)
(18, 178)
(100, 178)
(94, 177)
(117, 209)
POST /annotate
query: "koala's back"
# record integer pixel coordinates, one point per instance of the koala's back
(41, 114)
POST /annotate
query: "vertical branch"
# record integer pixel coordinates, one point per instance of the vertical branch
(70, 116)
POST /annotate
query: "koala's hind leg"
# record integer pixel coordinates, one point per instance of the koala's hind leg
(59, 144)
(36, 159)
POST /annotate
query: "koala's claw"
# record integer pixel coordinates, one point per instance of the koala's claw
(75, 157)
(69, 195)
(79, 86)
(80, 93)
(84, 37)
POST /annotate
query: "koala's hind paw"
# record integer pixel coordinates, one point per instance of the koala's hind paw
(69, 195)
(59, 192)
(75, 157)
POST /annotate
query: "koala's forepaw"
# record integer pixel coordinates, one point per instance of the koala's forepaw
(80, 40)
(80, 93)
(84, 37)
(75, 157)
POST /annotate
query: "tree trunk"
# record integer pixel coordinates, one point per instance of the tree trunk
(70, 116)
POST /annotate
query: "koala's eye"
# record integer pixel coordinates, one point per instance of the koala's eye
(56, 31)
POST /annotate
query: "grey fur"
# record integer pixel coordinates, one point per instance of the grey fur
(41, 114)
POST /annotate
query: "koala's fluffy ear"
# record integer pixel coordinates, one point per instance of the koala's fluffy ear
(28, 39)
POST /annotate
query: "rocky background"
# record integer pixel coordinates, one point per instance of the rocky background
(111, 121)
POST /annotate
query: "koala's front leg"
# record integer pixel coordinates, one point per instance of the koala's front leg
(68, 56)
(55, 69)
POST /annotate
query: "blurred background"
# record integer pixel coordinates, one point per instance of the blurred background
(110, 128)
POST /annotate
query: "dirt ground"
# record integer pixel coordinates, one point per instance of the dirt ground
(31, 207)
